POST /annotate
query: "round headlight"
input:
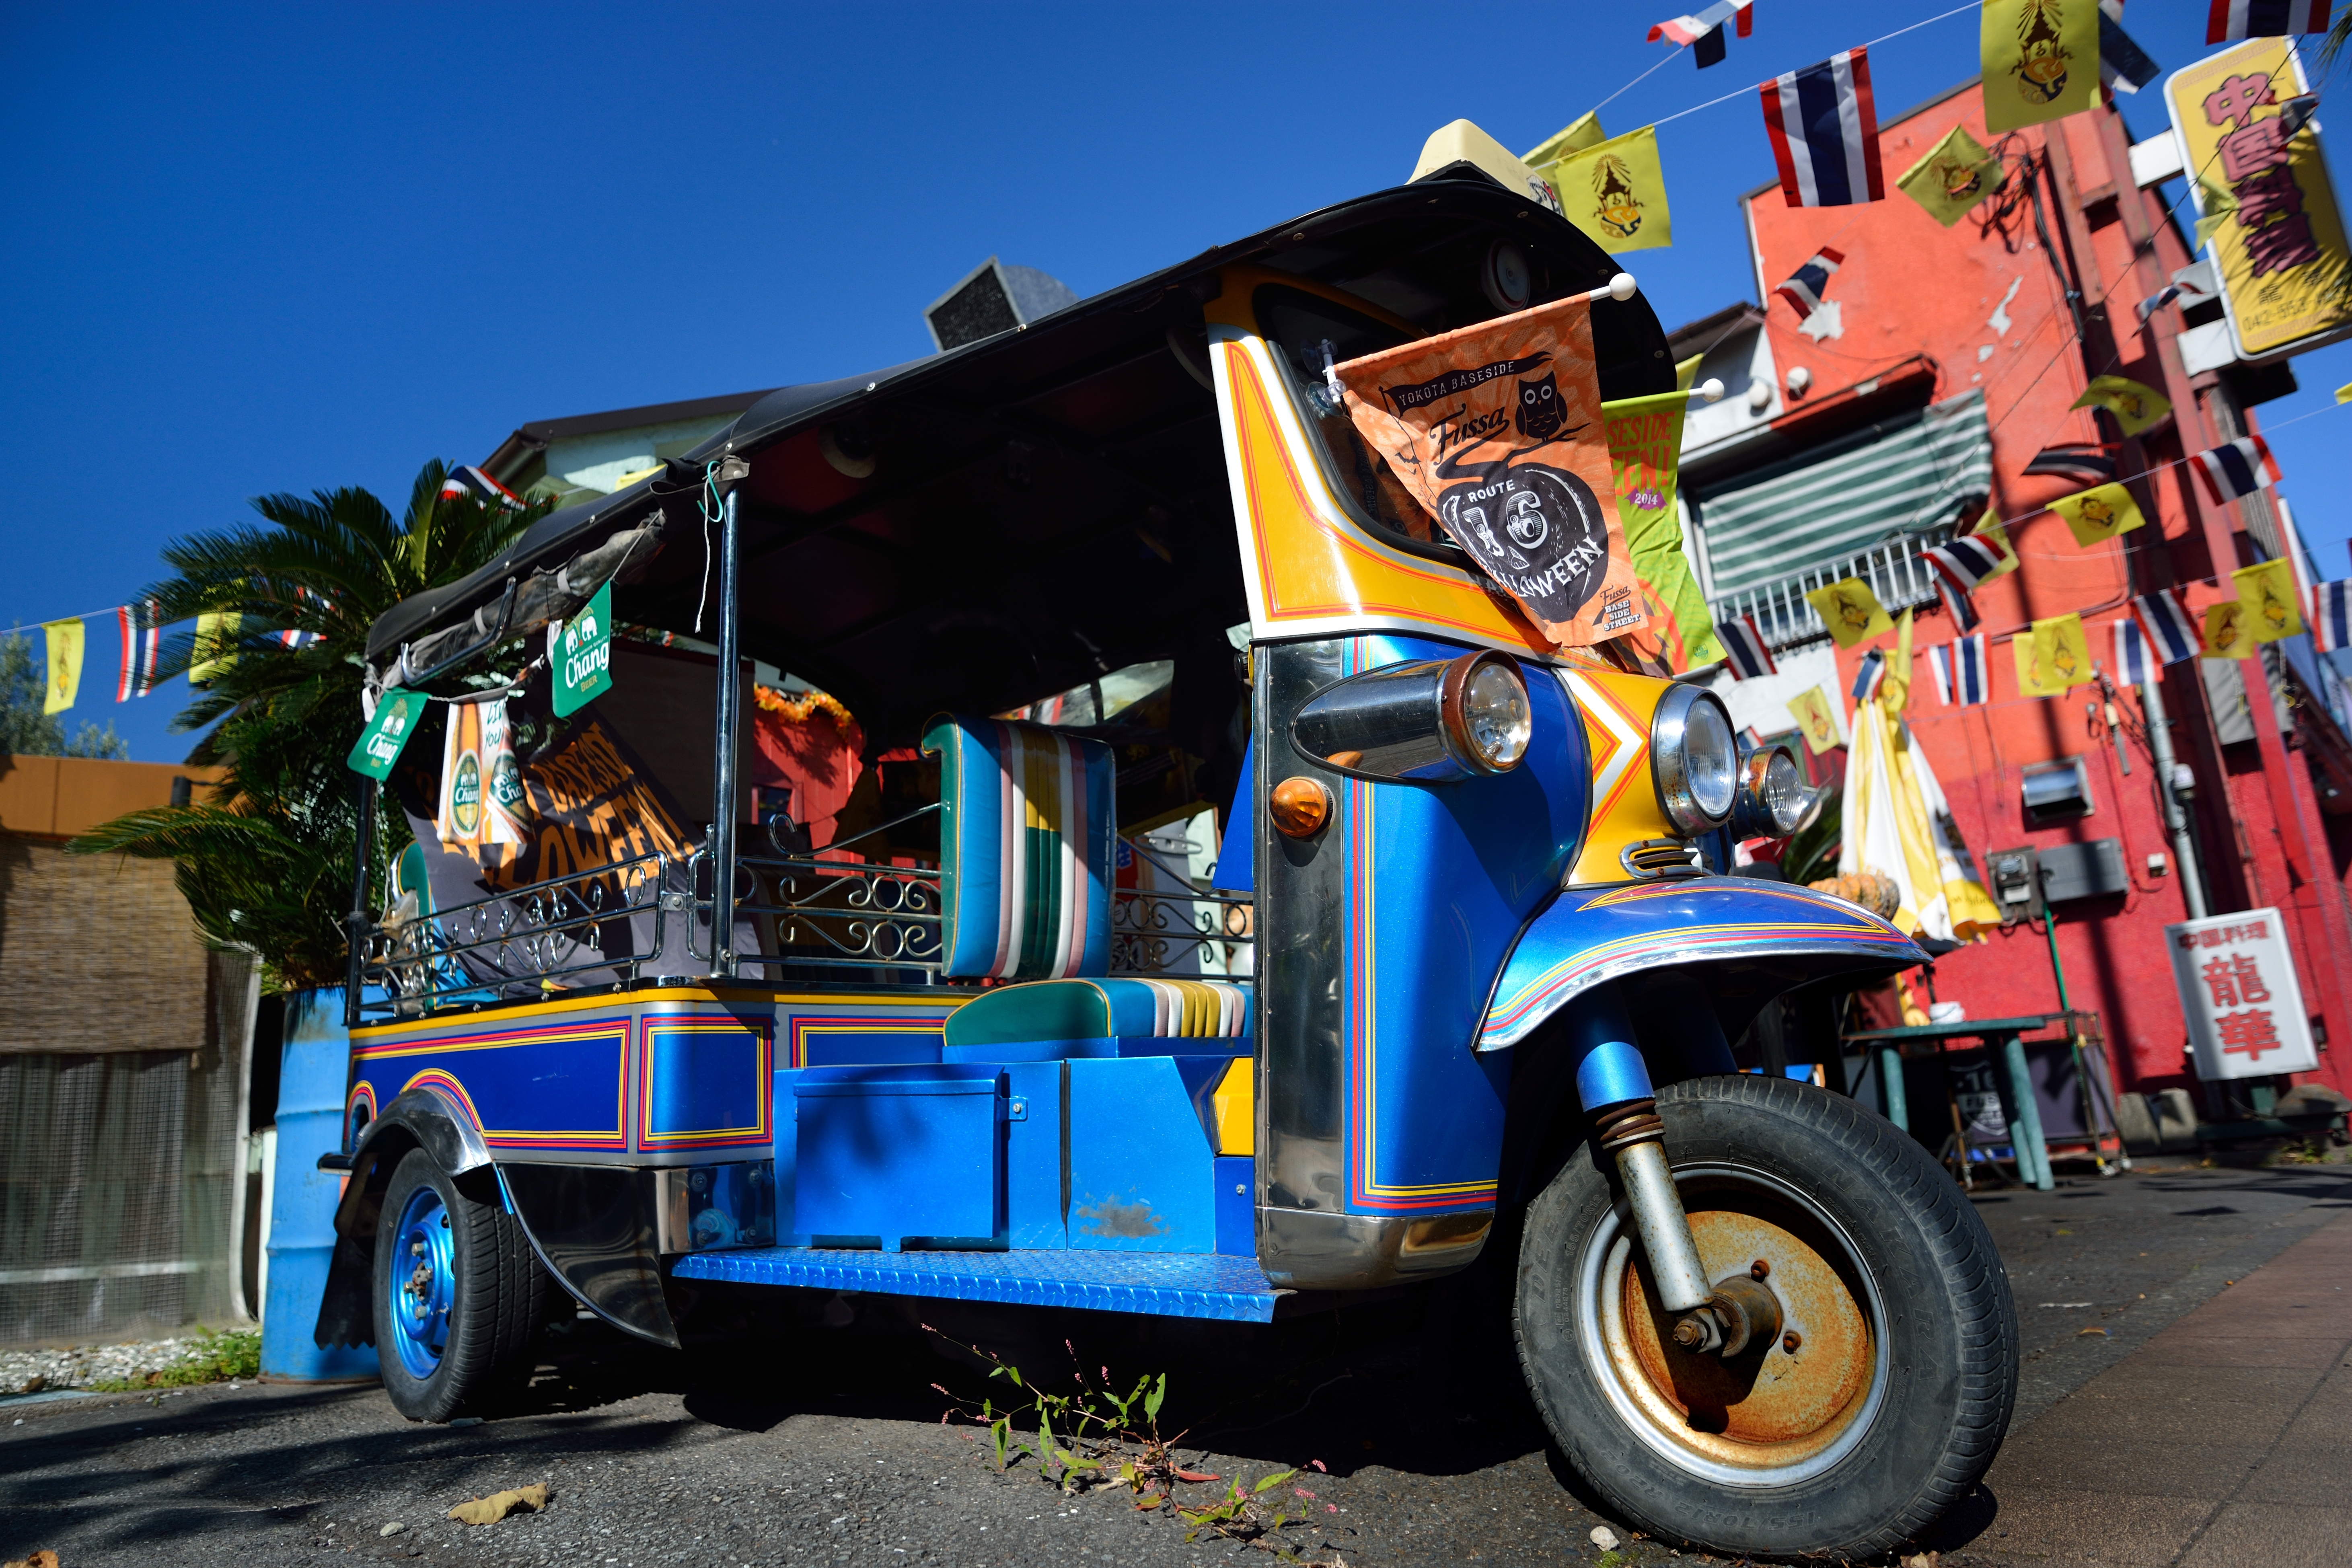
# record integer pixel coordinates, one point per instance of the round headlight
(1773, 796)
(1495, 718)
(1694, 759)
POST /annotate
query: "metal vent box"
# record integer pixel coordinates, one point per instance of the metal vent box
(906, 1159)
(2090, 870)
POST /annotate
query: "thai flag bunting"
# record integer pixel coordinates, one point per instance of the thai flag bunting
(1959, 670)
(1824, 132)
(1866, 679)
(2231, 20)
(2290, 539)
(2331, 620)
(471, 480)
(2090, 462)
(2123, 65)
(2238, 468)
(1805, 290)
(2170, 630)
(143, 640)
(1706, 29)
(2133, 664)
(1965, 561)
(2157, 301)
(1743, 650)
(1962, 607)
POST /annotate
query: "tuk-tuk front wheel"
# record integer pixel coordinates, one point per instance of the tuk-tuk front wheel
(458, 1295)
(1878, 1405)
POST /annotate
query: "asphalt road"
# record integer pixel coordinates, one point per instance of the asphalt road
(804, 1444)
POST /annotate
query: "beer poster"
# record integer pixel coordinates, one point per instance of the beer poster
(483, 809)
(1497, 431)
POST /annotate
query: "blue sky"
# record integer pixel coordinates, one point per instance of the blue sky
(255, 250)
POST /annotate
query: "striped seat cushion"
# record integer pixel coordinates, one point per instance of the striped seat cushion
(1119, 1007)
(1027, 830)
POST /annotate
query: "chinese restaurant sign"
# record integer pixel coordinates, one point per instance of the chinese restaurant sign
(2239, 993)
(2281, 251)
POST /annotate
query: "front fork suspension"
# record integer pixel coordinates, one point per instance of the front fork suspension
(1613, 1084)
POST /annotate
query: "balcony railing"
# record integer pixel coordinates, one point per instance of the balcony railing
(1897, 572)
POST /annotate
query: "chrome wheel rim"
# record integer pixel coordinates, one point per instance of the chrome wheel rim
(424, 1282)
(1772, 1419)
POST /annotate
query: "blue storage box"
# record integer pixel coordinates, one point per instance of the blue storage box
(899, 1158)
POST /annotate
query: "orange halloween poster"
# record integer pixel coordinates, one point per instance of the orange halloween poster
(1497, 430)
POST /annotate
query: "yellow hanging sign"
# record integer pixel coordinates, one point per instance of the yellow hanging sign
(2099, 513)
(2041, 60)
(1851, 611)
(1816, 716)
(1616, 192)
(2279, 244)
(64, 680)
(2227, 636)
(2267, 593)
(1955, 174)
(1645, 440)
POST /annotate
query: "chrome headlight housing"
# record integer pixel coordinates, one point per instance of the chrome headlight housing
(1431, 720)
(1694, 759)
(1774, 798)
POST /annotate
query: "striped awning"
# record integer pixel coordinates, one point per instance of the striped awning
(1903, 475)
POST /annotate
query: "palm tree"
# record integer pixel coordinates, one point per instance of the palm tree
(266, 863)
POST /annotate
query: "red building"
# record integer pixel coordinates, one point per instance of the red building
(1948, 359)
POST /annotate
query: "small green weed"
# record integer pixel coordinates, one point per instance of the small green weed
(1094, 1436)
(232, 1353)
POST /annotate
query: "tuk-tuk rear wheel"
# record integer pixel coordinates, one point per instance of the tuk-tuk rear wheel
(458, 1296)
(1877, 1407)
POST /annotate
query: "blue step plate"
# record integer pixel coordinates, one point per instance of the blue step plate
(1168, 1285)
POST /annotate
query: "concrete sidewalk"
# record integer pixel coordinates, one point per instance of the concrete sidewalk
(2226, 1438)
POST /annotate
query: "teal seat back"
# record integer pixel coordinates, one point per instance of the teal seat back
(1027, 831)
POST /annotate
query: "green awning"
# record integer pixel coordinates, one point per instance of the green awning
(1902, 475)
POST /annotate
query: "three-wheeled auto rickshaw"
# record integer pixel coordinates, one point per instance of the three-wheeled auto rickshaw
(1443, 930)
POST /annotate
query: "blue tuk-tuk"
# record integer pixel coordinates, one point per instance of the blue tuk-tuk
(1252, 909)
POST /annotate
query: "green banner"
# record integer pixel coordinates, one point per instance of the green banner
(581, 655)
(387, 734)
(1645, 445)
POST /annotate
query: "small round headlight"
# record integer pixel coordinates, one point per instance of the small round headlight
(1773, 796)
(1482, 708)
(1694, 759)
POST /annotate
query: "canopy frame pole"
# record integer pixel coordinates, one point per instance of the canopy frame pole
(722, 773)
(356, 923)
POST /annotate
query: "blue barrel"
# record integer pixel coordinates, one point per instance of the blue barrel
(310, 1090)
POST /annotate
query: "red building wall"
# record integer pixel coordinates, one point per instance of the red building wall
(1985, 302)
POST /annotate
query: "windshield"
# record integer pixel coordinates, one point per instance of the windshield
(1304, 331)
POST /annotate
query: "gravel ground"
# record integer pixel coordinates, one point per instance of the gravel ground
(30, 1371)
(802, 1444)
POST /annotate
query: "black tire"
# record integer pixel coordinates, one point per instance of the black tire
(1851, 1444)
(484, 1307)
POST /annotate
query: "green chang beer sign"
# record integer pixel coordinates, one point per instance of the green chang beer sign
(380, 744)
(582, 655)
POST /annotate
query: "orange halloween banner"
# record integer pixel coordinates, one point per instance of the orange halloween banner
(1497, 430)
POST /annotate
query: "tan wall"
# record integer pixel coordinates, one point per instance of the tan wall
(60, 797)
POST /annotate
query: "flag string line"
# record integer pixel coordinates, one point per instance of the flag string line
(1743, 92)
(1674, 54)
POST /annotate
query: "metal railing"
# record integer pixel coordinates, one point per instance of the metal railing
(527, 941)
(1897, 572)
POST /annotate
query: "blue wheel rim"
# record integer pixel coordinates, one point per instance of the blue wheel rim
(424, 1283)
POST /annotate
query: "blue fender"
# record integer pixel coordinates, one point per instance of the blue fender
(1589, 936)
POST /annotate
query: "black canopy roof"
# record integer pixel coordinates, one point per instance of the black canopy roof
(1043, 505)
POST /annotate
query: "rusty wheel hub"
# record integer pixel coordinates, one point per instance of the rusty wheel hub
(1799, 1392)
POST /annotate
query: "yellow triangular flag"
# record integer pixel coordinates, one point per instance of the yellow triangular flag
(2218, 202)
(1616, 192)
(64, 638)
(1687, 371)
(1584, 133)
(2136, 407)
(1816, 717)
(2227, 636)
(2344, 393)
(1992, 531)
(1851, 611)
(2099, 513)
(1895, 686)
(1955, 174)
(215, 649)
(2268, 594)
(2041, 60)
